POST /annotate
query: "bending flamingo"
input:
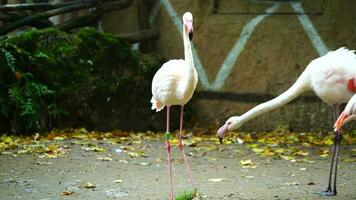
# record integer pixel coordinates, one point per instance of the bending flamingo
(332, 78)
(174, 84)
(347, 115)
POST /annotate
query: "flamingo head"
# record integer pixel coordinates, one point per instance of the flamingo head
(188, 24)
(231, 124)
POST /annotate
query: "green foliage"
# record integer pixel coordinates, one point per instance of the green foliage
(47, 76)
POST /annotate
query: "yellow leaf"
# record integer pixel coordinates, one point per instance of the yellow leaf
(253, 145)
(280, 150)
(258, 150)
(246, 162)
(58, 138)
(349, 159)
(105, 158)
(302, 153)
(80, 136)
(329, 141)
(289, 158)
(133, 154)
(268, 152)
(7, 139)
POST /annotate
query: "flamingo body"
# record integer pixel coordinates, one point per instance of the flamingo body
(173, 84)
(329, 75)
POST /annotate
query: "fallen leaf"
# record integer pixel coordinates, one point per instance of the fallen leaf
(215, 180)
(290, 184)
(123, 161)
(302, 153)
(117, 181)
(144, 164)
(95, 149)
(67, 193)
(89, 185)
(105, 158)
(348, 159)
(289, 158)
(322, 152)
(247, 164)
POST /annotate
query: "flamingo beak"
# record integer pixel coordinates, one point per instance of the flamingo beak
(189, 25)
(340, 121)
(222, 130)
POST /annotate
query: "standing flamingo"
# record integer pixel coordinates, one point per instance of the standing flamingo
(174, 84)
(347, 115)
(331, 77)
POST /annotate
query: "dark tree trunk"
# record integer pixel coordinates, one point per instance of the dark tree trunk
(146, 44)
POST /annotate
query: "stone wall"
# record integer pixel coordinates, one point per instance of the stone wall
(271, 52)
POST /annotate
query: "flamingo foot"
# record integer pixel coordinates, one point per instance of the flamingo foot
(328, 192)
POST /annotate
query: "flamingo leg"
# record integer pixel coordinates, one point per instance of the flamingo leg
(168, 150)
(334, 156)
(181, 147)
(338, 139)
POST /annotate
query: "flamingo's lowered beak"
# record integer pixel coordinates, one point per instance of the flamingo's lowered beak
(222, 130)
(340, 121)
(189, 25)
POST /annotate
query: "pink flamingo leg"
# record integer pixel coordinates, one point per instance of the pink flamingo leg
(181, 147)
(168, 149)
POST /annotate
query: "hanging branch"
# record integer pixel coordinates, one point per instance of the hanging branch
(13, 17)
(44, 15)
(141, 35)
(9, 17)
(81, 21)
(37, 6)
(116, 5)
(49, 6)
(78, 22)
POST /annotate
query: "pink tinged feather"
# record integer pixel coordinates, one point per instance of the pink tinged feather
(156, 105)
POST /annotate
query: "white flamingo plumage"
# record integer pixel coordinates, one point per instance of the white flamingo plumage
(174, 84)
(332, 77)
(347, 115)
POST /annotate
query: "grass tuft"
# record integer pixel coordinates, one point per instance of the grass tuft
(187, 195)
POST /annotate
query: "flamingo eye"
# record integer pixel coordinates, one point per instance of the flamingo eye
(228, 123)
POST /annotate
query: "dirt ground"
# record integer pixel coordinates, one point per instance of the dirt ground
(108, 170)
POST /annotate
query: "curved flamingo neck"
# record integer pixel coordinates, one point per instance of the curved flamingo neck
(300, 86)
